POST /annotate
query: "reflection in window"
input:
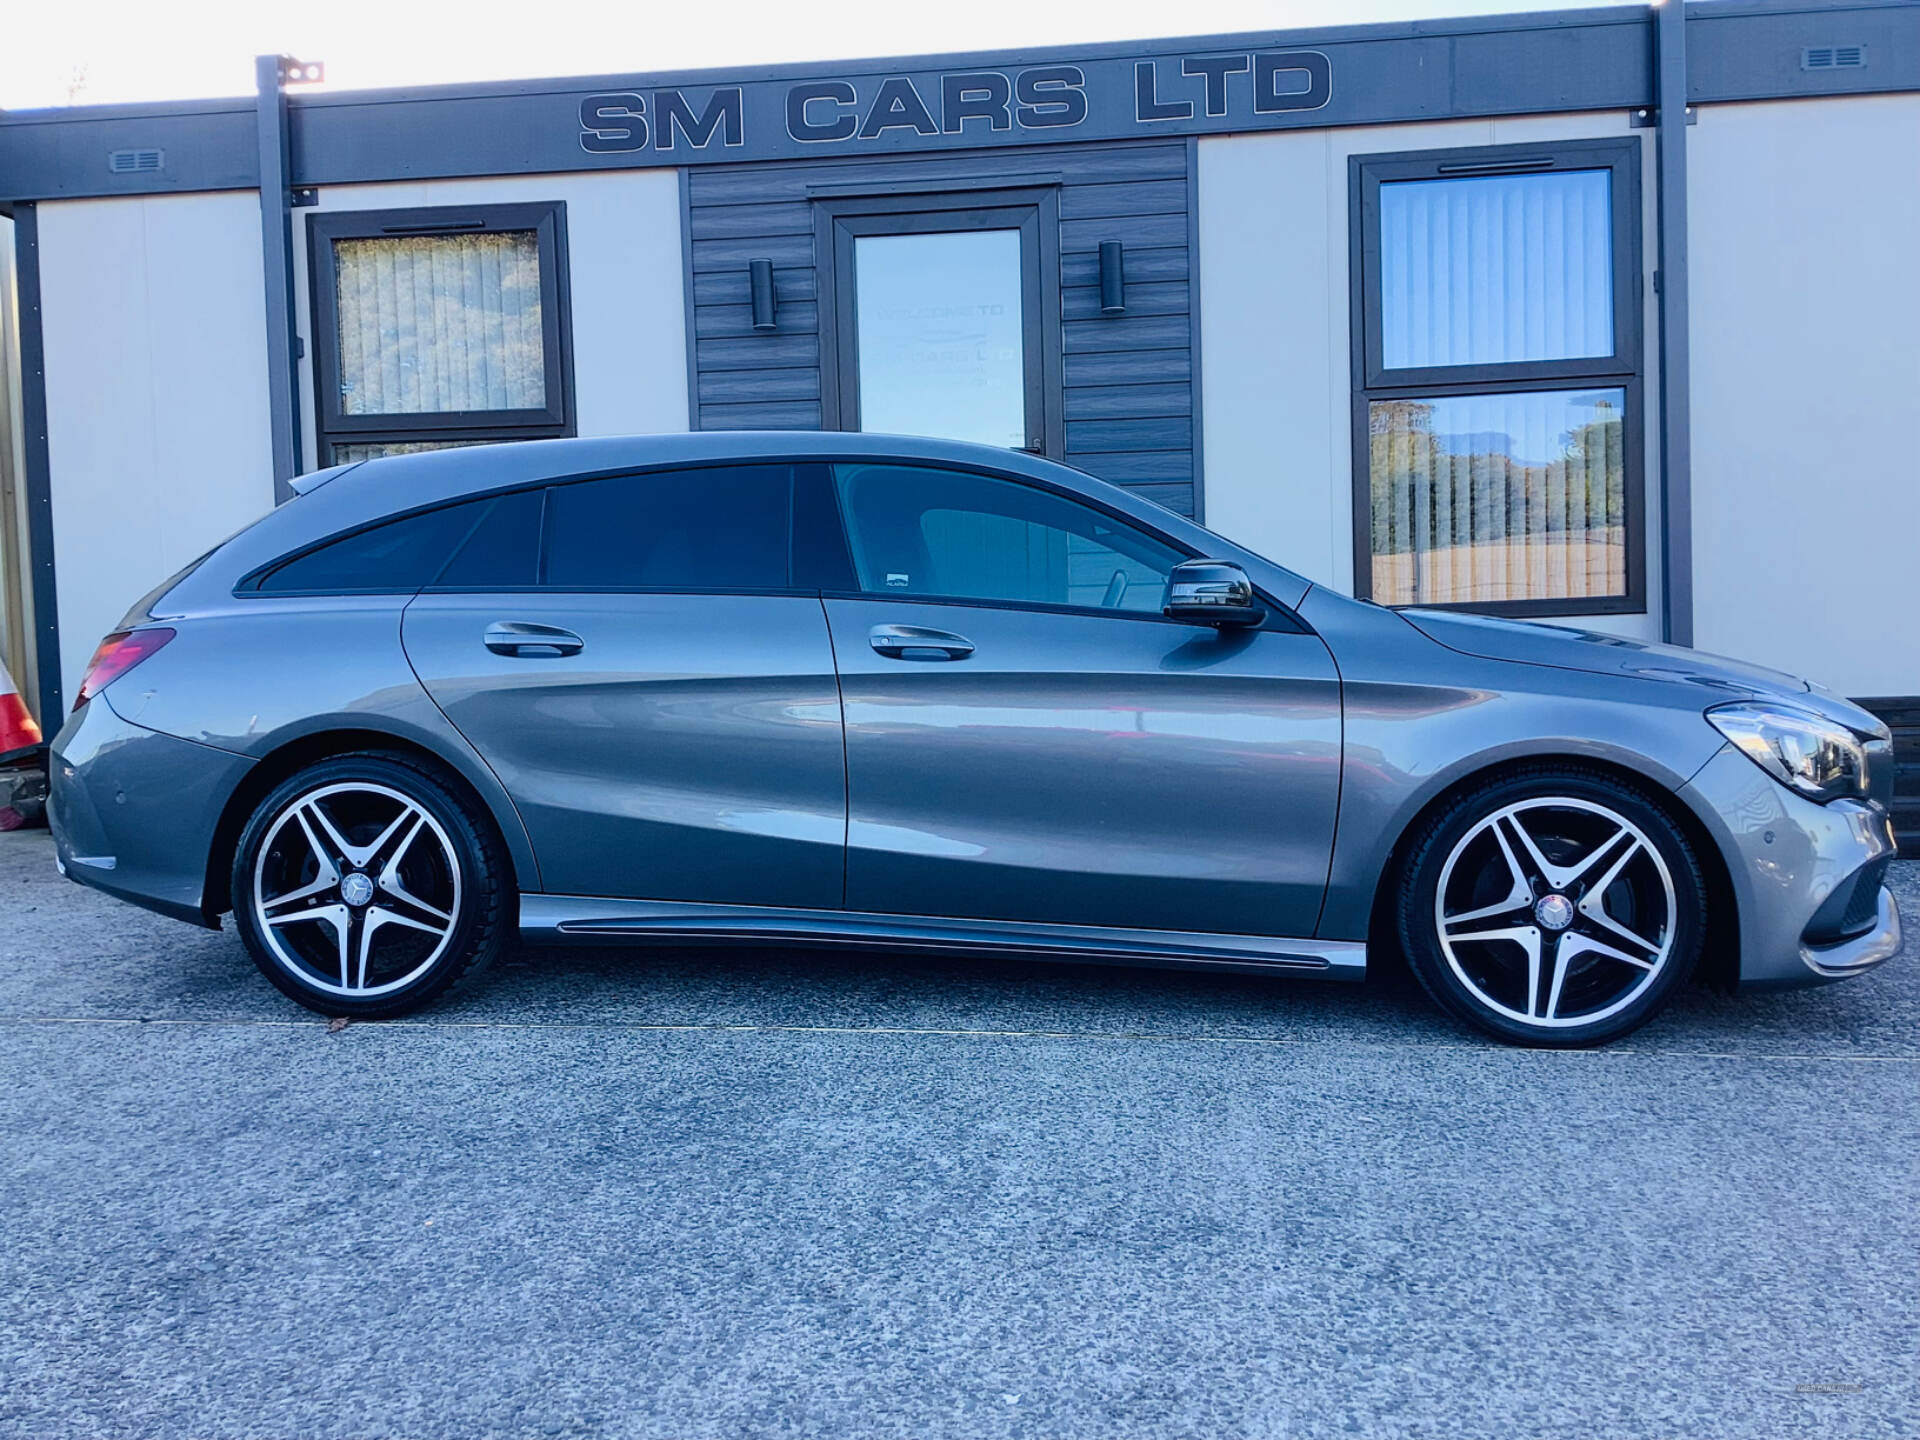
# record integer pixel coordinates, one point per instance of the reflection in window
(940, 340)
(346, 452)
(1481, 498)
(1496, 269)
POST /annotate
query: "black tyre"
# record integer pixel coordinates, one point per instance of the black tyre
(364, 886)
(1552, 907)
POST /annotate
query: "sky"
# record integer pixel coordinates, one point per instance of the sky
(114, 51)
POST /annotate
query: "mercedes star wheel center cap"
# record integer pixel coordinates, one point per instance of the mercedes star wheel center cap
(357, 889)
(1555, 912)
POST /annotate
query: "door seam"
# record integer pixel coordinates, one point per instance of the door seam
(846, 762)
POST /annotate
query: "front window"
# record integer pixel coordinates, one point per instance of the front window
(1497, 385)
(437, 328)
(956, 535)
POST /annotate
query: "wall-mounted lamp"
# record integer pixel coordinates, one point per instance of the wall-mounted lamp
(1113, 280)
(760, 280)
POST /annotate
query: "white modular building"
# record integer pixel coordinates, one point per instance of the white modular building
(1603, 317)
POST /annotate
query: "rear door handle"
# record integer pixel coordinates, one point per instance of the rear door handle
(526, 640)
(914, 642)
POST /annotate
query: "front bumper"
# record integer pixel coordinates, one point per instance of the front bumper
(1797, 871)
(133, 812)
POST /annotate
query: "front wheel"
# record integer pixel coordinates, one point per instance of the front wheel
(363, 886)
(1553, 908)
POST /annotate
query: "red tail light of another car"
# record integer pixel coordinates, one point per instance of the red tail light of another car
(118, 653)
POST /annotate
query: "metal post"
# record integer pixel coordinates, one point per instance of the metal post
(276, 251)
(1676, 441)
(37, 471)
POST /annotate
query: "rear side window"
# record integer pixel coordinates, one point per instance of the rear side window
(725, 527)
(401, 555)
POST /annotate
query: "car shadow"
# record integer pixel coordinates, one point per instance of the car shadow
(824, 987)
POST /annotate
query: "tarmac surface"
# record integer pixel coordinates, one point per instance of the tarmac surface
(689, 1193)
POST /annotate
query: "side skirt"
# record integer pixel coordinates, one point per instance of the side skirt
(574, 919)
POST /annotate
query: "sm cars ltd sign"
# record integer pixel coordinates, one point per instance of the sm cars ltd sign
(1091, 99)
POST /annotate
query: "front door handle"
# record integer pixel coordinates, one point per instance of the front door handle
(914, 642)
(526, 640)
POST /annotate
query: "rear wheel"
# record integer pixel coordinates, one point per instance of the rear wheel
(1553, 908)
(364, 886)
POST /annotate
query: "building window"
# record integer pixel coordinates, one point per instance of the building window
(1497, 426)
(439, 327)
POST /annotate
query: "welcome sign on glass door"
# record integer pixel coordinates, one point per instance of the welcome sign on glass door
(941, 335)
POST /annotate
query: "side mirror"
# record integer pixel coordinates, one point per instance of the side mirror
(1211, 592)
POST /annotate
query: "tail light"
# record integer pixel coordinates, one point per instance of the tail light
(118, 654)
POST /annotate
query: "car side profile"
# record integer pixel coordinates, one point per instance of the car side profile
(916, 694)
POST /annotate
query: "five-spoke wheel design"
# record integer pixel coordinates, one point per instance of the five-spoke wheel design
(366, 885)
(1554, 908)
(356, 889)
(1556, 911)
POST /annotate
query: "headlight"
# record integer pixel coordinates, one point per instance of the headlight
(1818, 757)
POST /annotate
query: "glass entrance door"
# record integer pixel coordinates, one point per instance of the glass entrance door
(938, 343)
(940, 322)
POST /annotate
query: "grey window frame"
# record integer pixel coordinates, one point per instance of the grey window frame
(1033, 211)
(1622, 370)
(548, 221)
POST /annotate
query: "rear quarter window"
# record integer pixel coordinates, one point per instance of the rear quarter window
(399, 556)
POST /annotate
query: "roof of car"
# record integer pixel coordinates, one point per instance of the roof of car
(474, 468)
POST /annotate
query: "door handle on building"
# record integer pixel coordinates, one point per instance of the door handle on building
(914, 642)
(526, 640)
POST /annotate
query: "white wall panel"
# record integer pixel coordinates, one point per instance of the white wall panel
(1804, 232)
(629, 312)
(157, 431)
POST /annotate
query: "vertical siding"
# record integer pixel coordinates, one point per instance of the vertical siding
(1127, 394)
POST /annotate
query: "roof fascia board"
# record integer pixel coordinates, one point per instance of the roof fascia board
(1566, 60)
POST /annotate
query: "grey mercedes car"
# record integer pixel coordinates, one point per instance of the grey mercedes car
(925, 695)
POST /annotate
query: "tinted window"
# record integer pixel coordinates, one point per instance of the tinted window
(820, 559)
(503, 552)
(401, 555)
(723, 528)
(953, 534)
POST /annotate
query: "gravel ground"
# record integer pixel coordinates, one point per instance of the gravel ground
(741, 1193)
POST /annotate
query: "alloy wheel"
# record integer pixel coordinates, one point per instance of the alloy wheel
(357, 889)
(1556, 912)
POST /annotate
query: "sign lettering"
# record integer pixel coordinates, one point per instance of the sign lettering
(1107, 99)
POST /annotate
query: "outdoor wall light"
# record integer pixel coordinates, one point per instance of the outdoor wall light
(1113, 281)
(760, 279)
